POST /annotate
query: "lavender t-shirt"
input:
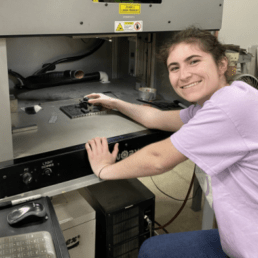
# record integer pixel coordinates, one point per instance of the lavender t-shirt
(222, 139)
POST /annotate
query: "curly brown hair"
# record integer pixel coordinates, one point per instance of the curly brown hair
(192, 35)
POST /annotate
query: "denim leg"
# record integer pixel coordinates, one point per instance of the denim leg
(193, 244)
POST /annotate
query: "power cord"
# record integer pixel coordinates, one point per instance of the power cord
(174, 197)
(162, 228)
(181, 208)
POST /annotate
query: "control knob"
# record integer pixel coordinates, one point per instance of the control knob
(27, 178)
(48, 171)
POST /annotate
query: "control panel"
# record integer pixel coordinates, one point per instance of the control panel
(50, 168)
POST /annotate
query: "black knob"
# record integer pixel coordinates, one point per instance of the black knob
(27, 178)
(48, 171)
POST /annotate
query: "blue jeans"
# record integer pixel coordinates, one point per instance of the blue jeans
(193, 244)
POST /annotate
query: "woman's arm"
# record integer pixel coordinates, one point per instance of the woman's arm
(147, 116)
(153, 159)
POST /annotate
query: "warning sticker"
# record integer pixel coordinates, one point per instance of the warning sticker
(128, 26)
(129, 8)
(119, 27)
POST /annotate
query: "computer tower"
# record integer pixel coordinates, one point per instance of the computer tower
(121, 209)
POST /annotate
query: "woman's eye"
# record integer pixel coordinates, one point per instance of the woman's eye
(173, 69)
(194, 61)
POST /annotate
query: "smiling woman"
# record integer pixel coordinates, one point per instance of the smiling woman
(195, 58)
(194, 74)
(217, 137)
(204, 39)
(219, 134)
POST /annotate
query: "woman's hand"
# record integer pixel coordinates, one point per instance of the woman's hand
(101, 99)
(99, 155)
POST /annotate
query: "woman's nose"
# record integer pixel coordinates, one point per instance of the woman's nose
(184, 74)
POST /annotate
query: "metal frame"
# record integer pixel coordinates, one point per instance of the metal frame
(86, 18)
(6, 142)
(60, 17)
(63, 17)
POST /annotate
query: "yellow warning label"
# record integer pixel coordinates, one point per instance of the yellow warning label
(129, 8)
(96, 1)
(119, 27)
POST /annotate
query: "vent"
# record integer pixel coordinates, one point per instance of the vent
(127, 214)
(127, 249)
(247, 78)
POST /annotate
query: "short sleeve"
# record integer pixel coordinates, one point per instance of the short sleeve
(187, 113)
(211, 140)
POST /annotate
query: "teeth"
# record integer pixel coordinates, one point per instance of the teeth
(190, 85)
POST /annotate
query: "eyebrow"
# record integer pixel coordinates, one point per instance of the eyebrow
(186, 60)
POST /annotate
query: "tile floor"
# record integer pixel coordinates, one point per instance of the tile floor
(174, 183)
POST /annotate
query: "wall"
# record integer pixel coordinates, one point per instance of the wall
(239, 23)
(239, 27)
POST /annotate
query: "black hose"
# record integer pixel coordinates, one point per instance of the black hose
(51, 66)
(41, 79)
(37, 83)
(54, 76)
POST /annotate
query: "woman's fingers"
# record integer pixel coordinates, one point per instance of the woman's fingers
(93, 95)
(99, 154)
(95, 146)
(104, 143)
(95, 98)
(98, 144)
(89, 150)
(115, 151)
(88, 147)
(100, 99)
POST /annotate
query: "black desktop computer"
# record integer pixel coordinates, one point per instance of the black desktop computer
(123, 210)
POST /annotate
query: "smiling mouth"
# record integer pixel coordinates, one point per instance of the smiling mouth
(190, 85)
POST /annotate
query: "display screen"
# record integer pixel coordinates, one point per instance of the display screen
(131, 1)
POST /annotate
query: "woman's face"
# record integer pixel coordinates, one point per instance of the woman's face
(193, 73)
